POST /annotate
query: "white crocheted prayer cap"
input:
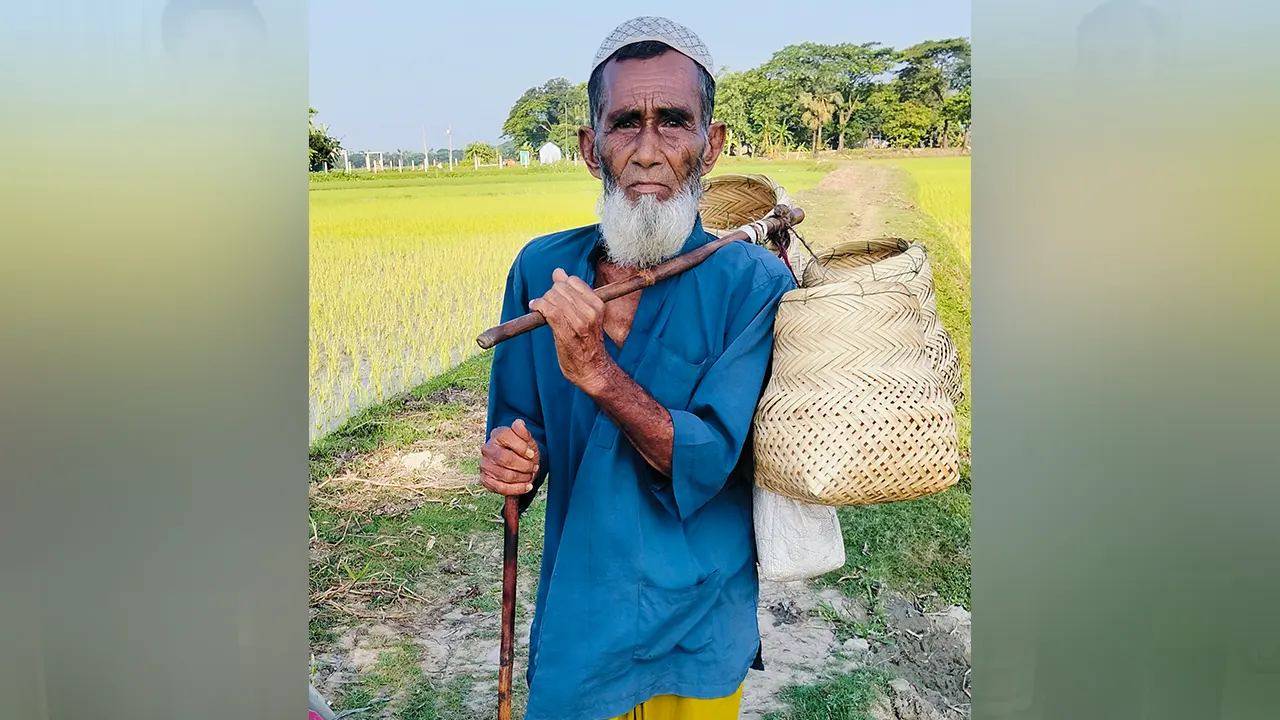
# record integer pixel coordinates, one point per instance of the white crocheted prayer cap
(660, 29)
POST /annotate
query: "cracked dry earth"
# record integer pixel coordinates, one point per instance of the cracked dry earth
(805, 630)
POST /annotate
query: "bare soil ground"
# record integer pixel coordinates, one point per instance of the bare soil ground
(446, 628)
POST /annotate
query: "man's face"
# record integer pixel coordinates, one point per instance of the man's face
(651, 127)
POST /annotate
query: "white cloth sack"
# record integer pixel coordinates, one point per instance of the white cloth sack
(795, 540)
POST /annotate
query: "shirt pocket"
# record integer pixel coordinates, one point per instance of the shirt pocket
(676, 620)
(666, 376)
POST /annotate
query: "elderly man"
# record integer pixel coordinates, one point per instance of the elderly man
(638, 411)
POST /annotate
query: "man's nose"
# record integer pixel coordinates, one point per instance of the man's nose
(648, 151)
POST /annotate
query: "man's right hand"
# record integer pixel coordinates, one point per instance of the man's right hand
(509, 460)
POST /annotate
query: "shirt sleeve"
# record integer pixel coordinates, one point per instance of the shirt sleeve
(513, 389)
(711, 433)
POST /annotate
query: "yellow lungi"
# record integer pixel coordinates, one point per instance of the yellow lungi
(672, 707)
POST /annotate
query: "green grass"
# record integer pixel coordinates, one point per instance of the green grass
(413, 696)
(846, 696)
(382, 555)
(387, 558)
(436, 701)
(945, 193)
(383, 424)
(470, 466)
(427, 551)
(794, 175)
(919, 547)
(846, 627)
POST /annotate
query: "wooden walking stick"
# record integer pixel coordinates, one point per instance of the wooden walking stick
(784, 218)
(506, 651)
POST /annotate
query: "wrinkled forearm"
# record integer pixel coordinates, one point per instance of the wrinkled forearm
(645, 422)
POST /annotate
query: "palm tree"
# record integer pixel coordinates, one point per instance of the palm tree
(479, 152)
(818, 112)
(845, 104)
(774, 137)
(323, 147)
(783, 138)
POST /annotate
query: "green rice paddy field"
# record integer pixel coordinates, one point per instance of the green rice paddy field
(945, 193)
(406, 269)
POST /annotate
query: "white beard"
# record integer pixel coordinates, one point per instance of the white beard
(645, 233)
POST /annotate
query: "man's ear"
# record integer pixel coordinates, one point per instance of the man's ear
(715, 144)
(587, 149)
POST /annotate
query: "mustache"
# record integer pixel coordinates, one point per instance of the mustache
(692, 182)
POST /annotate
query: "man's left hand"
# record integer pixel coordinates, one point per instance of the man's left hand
(576, 317)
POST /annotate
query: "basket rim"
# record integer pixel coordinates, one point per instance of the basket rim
(732, 200)
(846, 247)
(819, 264)
(738, 177)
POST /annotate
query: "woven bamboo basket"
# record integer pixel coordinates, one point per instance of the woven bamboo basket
(731, 201)
(893, 259)
(853, 413)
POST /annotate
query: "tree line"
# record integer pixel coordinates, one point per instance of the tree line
(806, 96)
(325, 152)
(809, 95)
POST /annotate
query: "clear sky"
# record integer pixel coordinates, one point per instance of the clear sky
(381, 69)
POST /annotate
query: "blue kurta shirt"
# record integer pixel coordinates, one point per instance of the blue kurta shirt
(648, 584)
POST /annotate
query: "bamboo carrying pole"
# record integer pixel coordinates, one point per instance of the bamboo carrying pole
(783, 218)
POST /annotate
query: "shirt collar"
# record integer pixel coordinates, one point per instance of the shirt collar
(698, 237)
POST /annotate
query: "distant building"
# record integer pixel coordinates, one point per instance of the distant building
(550, 153)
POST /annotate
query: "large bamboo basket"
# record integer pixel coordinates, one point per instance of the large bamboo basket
(894, 259)
(731, 201)
(853, 413)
